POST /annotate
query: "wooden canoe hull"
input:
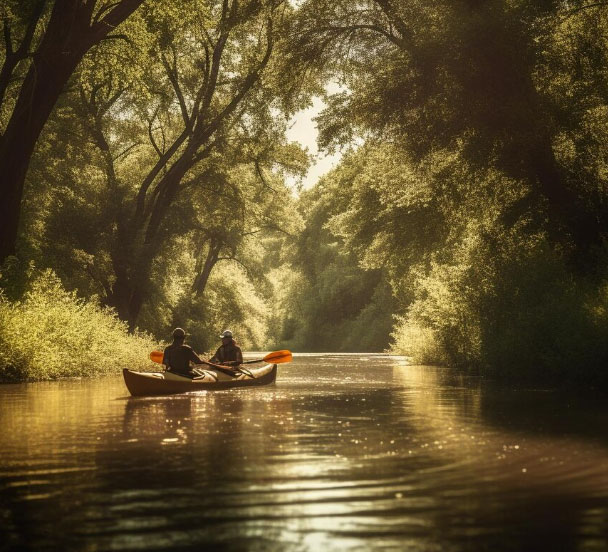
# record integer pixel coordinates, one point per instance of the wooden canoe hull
(143, 384)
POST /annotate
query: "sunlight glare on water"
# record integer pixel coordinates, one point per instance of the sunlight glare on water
(344, 452)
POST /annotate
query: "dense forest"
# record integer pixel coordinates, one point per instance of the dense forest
(147, 182)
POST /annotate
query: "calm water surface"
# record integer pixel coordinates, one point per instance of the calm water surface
(345, 452)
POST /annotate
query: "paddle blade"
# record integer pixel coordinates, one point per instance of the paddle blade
(156, 356)
(278, 357)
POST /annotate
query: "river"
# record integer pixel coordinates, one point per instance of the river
(344, 452)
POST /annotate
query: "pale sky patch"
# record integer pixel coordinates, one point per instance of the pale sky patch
(304, 130)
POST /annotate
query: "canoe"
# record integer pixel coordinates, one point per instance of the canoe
(142, 384)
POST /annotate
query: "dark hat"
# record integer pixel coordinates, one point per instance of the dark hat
(178, 333)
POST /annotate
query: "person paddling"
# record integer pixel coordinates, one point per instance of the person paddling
(229, 353)
(177, 356)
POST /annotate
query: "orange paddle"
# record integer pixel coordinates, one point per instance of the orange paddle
(276, 357)
(157, 356)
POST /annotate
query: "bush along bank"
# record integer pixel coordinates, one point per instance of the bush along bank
(532, 323)
(51, 333)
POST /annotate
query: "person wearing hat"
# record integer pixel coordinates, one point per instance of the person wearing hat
(177, 356)
(229, 352)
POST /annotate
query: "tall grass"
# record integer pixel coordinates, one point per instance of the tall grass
(51, 334)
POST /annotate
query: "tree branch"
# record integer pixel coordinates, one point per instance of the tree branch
(160, 164)
(126, 151)
(174, 80)
(119, 37)
(116, 13)
(105, 106)
(239, 262)
(13, 57)
(103, 10)
(249, 81)
(258, 169)
(581, 8)
(151, 135)
(389, 11)
(350, 28)
(7, 37)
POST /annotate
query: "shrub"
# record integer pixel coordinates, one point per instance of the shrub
(51, 334)
(419, 343)
(517, 313)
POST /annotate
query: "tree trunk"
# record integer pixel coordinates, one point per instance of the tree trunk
(567, 209)
(200, 282)
(128, 298)
(137, 244)
(121, 294)
(68, 36)
(131, 287)
(43, 84)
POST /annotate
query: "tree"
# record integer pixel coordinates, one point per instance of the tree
(325, 301)
(200, 84)
(480, 184)
(177, 148)
(71, 29)
(464, 76)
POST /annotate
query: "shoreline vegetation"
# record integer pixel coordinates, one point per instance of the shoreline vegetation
(153, 171)
(52, 334)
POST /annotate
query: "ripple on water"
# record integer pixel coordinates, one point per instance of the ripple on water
(344, 452)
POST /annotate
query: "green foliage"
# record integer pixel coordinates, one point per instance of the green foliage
(474, 292)
(467, 219)
(326, 301)
(499, 82)
(230, 301)
(53, 334)
(347, 309)
(479, 189)
(165, 157)
(541, 323)
(514, 311)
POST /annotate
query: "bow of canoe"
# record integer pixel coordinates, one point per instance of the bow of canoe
(141, 384)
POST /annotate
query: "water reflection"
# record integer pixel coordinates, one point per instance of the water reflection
(344, 452)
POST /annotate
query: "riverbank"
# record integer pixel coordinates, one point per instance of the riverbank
(52, 334)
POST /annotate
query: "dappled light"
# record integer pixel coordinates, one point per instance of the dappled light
(463, 224)
(345, 451)
(401, 205)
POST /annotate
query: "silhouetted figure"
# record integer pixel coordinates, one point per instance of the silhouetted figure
(177, 356)
(229, 352)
